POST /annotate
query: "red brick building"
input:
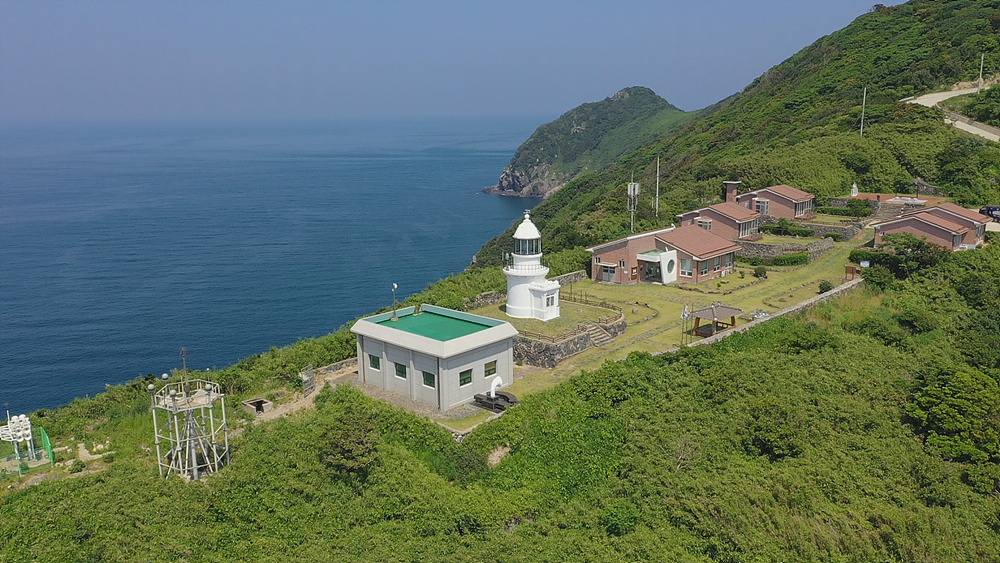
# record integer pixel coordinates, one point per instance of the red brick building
(776, 201)
(947, 225)
(727, 220)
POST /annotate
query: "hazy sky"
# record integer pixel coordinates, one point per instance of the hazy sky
(115, 61)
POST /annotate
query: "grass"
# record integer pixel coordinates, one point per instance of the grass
(823, 219)
(767, 238)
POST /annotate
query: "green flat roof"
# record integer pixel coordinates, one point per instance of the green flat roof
(435, 325)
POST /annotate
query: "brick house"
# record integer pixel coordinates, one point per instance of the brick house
(776, 201)
(947, 225)
(727, 220)
(701, 255)
(618, 261)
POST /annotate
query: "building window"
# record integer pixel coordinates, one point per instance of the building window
(703, 267)
(490, 368)
(465, 378)
(705, 224)
(527, 247)
(428, 379)
(597, 259)
(550, 300)
(374, 361)
(400, 370)
(716, 263)
(621, 263)
(687, 267)
(729, 260)
(761, 206)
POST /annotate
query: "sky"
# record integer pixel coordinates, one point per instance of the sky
(222, 61)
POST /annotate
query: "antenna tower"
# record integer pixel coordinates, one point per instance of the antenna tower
(193, 426)
(633, 200)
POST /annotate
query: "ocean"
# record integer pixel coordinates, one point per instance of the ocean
(121, 245)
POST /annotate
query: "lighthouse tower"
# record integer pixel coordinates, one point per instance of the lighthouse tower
(529, 294)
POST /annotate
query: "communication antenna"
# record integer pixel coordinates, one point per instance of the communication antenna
(633, 199)
(193, 426)
(864, 98)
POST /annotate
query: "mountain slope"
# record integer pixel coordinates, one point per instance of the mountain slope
(586, 139)
(799, 123)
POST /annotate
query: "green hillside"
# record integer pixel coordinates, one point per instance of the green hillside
(798, 124)
(587, 138)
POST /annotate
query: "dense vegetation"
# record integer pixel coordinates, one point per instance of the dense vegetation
(866, 430)
(798, 124)
(589, 137)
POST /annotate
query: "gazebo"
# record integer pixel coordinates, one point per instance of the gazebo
(715, 313)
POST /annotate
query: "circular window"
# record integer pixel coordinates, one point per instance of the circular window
(670, 267)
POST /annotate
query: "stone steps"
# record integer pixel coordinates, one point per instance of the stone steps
(598, 336)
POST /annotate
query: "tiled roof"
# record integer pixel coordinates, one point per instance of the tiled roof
(930, 218)
(736, 212)
(958, 210)
(788, 192)
(698, 242)
(631, 237)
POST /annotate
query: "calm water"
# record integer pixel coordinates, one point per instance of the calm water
(118, 246)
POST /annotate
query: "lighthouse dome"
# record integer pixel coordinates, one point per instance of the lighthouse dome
(527, 230)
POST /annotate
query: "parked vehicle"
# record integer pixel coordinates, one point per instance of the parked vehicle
(991, 211)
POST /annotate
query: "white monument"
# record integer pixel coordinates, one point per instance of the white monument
(529, 294)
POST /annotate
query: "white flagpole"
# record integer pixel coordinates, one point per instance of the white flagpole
(656, 204)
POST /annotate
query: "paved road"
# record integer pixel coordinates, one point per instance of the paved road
(933, 99)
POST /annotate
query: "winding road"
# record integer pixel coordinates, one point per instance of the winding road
(956, 120)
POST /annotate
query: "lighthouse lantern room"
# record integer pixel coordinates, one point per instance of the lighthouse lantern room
(529, 294)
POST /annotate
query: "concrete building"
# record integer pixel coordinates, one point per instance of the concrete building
(529, 294)
(434, 355)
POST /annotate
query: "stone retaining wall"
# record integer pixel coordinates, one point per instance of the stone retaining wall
(616, 328)
(548, 354)
(486, 298)
(846, 231)
(343, 364)
(815, 248)
(571, 277)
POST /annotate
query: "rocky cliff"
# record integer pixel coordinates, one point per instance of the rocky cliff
(586, 139)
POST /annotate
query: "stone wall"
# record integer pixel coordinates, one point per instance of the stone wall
(846, 231)
(839, 290)
(343, 364)
(815, 248)
(548, 354)
(486, 298)
(615, 328)
(842, 202)
(572, 277)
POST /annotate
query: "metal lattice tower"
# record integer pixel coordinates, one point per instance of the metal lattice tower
(193, 426)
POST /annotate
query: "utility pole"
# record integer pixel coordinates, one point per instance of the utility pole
(982, 59)
(633, 199)
(656, 202)
(864, 98)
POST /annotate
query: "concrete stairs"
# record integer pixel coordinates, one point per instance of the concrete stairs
(598, 336)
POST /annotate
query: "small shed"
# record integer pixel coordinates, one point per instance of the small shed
(716, 314)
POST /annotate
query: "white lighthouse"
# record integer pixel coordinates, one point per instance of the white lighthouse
(529, 294)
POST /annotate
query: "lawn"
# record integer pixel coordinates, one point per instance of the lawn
(824, 219)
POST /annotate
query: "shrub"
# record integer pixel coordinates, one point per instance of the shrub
(77, 466)
(791, 259)
(836, 236)
(825, 286)
(760, 272)
(786, 228)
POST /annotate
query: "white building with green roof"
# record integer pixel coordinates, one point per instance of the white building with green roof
(437, 356)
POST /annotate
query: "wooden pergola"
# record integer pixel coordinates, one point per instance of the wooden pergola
(714, 313)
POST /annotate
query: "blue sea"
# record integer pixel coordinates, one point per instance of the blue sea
(121, 245)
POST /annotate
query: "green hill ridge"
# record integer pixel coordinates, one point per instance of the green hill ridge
(587, 138)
